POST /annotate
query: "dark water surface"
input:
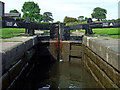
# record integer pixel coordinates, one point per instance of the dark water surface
(59, 75)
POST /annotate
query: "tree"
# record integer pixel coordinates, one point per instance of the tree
(81, 18)
(69, 19)
(13, 11)
(99, 13)
(31, 10)
(58, 22)
(86, 18)
(118, 19)
(47, 16)
(39, 18)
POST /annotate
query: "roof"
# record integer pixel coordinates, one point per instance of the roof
(2, 2)
(12, 14)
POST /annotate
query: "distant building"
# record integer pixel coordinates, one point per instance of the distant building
(1, 8)
(8, 15)
(12, 15)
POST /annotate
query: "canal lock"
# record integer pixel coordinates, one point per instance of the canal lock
(45, 71)
(57, 64)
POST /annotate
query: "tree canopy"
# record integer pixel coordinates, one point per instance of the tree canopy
(47, 16)
(81, 18)
(86, 18)
(99, 13)
(13, 11)
(69, 19)
(31, 10)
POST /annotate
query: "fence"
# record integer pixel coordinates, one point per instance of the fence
(57, 30)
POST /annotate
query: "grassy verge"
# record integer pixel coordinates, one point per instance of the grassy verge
(11, 32)
(83, 22)
(107, 32)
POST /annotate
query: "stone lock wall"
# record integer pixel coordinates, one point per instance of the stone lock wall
(99, 55)
(16, 53)
(102, 60)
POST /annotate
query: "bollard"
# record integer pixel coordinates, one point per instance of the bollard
(26, 31)
(27, 20)
(31, 32)
(88, 29)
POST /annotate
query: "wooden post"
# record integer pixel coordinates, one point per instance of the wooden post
(64, 32)
(54, 31)
(88, 29)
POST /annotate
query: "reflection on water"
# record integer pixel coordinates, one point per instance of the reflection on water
(73, 75)
(60, 75)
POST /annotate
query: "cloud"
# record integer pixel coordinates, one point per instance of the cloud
(73, 8)
(119, 9)
(90, 1)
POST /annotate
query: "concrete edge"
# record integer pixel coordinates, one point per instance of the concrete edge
(105, 52)
(17, 50)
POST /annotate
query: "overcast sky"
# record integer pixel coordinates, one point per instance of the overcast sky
(71, 8)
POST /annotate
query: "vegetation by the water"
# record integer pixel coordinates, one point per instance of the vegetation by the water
(11, 32)
(107, 32)
(75, 23)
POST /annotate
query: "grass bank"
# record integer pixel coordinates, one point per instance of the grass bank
(11, 32)
(107, 32)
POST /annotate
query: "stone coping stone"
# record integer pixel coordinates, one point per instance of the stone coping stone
(14, 48)
(106, 47)
(6, 46)
(13, 42)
